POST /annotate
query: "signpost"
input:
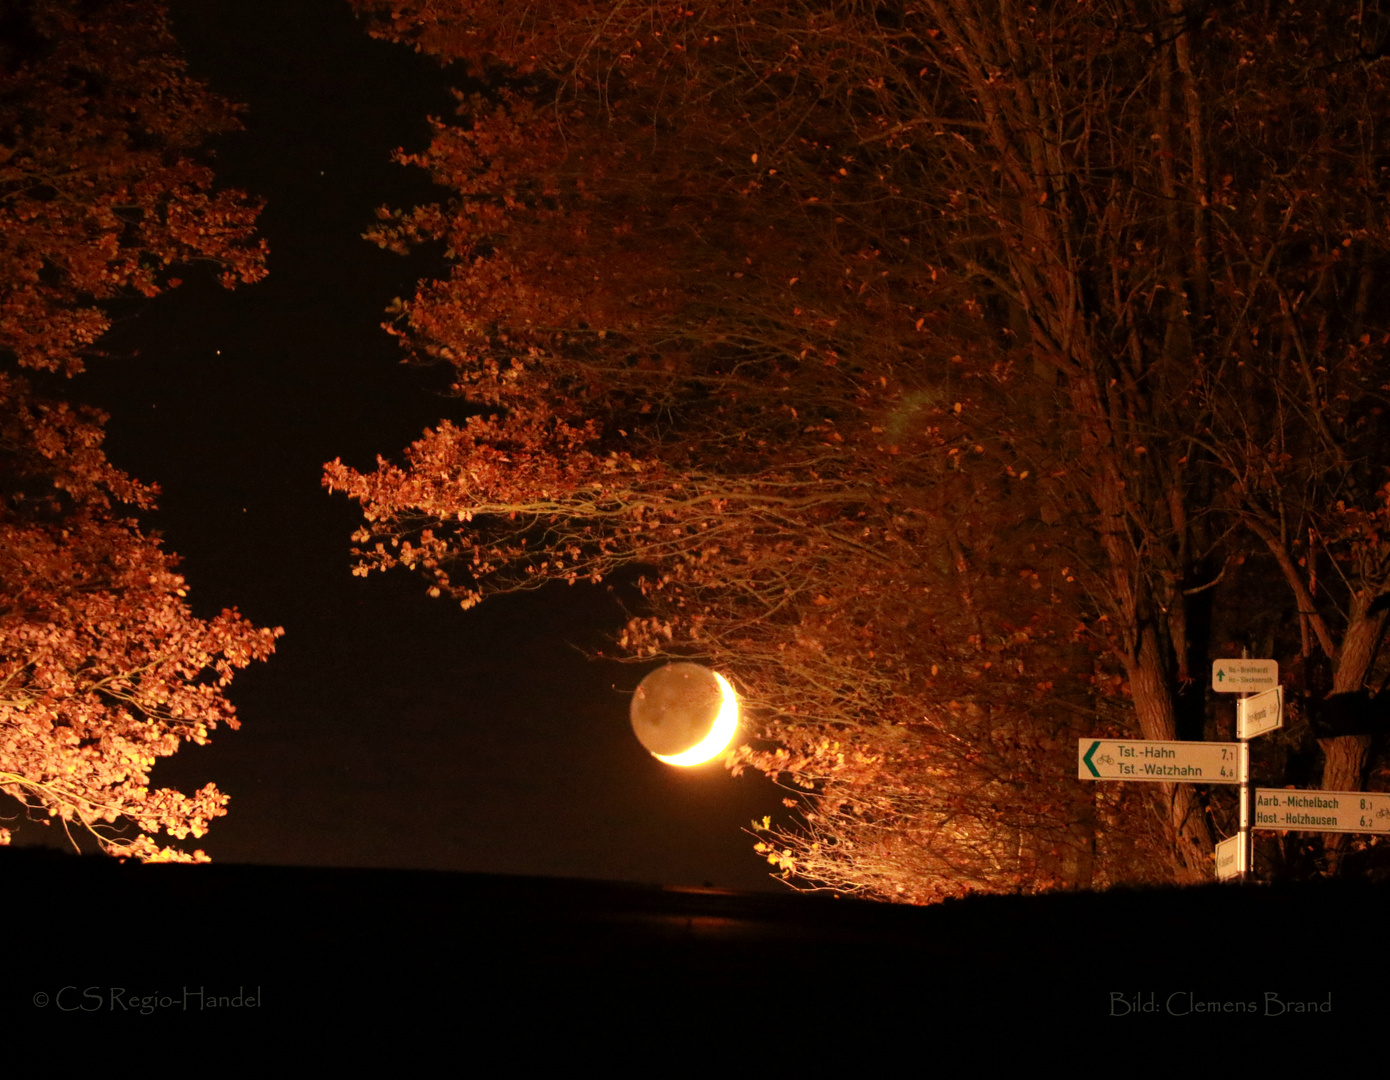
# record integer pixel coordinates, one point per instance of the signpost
(1160, 762)
(1260, 713)
(1244, 676)
(1322, 811)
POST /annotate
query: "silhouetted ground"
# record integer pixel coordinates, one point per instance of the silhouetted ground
(524, 962)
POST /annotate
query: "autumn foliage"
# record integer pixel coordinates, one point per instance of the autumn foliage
(103, 667)
(940, 366)
(104, 192)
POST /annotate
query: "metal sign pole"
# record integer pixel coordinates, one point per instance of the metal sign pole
(1247, 838)
(1247, 846)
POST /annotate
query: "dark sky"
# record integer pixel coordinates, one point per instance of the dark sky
(389, 730)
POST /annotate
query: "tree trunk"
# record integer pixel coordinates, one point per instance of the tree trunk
(1185, 825)
(1344, 762)
(1344, 767)
(1345, 757)
(1079, 857)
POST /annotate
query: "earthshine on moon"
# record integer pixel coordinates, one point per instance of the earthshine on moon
(684, 714)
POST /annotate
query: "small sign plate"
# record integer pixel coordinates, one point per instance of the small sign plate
(1244, 676)
(1260, 713)
(1230, 857)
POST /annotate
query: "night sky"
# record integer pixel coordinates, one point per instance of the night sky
(389, 730)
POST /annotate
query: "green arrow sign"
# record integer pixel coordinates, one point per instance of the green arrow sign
(1158, 762)
(1244, 676)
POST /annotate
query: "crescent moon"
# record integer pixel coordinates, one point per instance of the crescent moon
(721, 732)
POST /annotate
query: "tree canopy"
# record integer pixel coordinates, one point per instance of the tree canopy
(940, 364)
(104, 668)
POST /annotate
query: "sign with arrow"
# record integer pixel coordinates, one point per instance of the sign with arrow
(1159, 762)
(1244, 676)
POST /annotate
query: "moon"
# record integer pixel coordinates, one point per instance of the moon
(684, 714)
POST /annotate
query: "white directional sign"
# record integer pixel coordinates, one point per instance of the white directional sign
(1260, 713)
(1230, 857)
(1143, 759)
(1244, 676)
(1322, 811)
